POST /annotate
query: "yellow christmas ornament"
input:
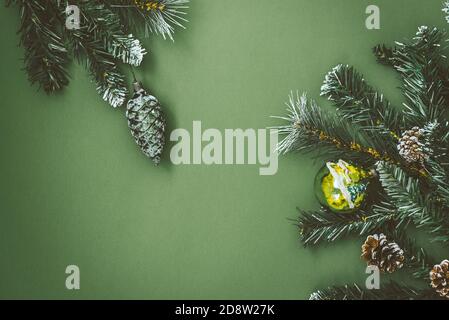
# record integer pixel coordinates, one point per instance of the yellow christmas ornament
(341, 186)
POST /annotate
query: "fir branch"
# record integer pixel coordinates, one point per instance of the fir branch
(421, 63)
(359, 102)
(316, 227)
(404, 192)
(309, 129)
(106, 27)
(158, 16)
(102, 66)
(46, 56)
(389, 291)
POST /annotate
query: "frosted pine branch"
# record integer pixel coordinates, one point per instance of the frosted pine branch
(129, 50)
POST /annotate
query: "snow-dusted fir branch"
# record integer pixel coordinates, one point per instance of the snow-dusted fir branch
(295, 110)
(160, 16)
(357, 101)
(112, 94)
(306, 122)
(310, 128)
(105, 25)
(103, 41)
(403, 190)
(128, 49)
(421, 63)
(164, 15)
(317, 227)
(407, 194)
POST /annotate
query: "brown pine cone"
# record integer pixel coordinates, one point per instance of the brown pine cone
(439, 277)
(411, 148)
(387, 256)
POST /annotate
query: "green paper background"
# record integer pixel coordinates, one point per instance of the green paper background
(75, 189)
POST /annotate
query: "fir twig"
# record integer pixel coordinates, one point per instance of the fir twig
(421, 63)
(102, 66)
(359, 102)
(157, 16)
(405, 193)
(46, 56)
(316, 227)
(106, 27)
(309, 128)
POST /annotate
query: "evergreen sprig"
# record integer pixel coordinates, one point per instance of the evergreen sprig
(103, 68)
(407, 195)
(152, 16)
(316, 227)
(309, 128)
(422, 65)
(360, 103)
(105, 39)
(46, 55)
(105, 26)
(101, 42)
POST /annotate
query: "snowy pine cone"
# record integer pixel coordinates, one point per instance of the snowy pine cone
(439, 277)
(147, 123)
(411, 148)
(378, 251)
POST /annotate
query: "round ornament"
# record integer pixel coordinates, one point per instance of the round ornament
(341, 186)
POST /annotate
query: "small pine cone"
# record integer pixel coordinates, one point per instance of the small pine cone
(439, 277)
(387, 256)
(410, 147)
(147, 123)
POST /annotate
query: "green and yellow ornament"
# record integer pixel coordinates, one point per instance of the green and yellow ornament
(342, 186)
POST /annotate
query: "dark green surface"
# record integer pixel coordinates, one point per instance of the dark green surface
(74, 189)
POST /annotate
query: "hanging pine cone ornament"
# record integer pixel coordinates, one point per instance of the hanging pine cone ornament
(341, 187)
(412, 148)
(147, 123)
(439, 277)
(378, 251)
